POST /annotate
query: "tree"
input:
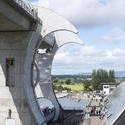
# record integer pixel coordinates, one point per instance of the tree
(102, 75)
(60, 88)
(62, 82)
(68, 81)
(111, 76)
(55, 87)
(86, 85)
(98, 77)
(55, 80)
(94, 75)
(66, 88)
(95, 81)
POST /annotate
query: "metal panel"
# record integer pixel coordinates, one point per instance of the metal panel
(64, 37)
(116, 104)
(30, 94)
(52, 22)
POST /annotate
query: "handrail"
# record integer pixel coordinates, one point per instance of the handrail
(27, 7)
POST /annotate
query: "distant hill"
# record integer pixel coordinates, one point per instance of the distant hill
(117, 74)
(84, 74)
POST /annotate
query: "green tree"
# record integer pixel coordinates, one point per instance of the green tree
(60, 87)
(68, 81)
(111, 76)
(94, 75)
(94, 81)
(66, 88)
(102, 75)
(55, 80)
(98, 77)
(86, 85)
(55, 87)
(62, 82)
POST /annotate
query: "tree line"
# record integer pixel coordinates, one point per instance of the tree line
(98, 76)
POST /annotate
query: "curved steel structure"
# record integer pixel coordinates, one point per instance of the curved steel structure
(54, 33)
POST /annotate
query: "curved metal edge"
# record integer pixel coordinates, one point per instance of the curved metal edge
(30, 94)
(37, 71)
(57, 48)
(53, 21)
(65, 37)
(47, 88)
(60, 109)
(53, 97)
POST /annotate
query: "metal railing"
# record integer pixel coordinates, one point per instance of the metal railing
(28, 8)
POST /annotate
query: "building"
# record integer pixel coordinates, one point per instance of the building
(109, 87)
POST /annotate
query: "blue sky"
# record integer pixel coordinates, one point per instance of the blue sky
(101, 26)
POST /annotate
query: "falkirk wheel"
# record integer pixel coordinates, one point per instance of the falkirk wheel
(23, 64)
(29, 38)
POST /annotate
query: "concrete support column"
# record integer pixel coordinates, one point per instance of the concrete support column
(15, 104)
(44, 62)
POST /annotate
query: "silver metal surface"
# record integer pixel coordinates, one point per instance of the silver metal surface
(44, 64)
(115, 104)
(52, 22)
(65, 37)
(28, 86)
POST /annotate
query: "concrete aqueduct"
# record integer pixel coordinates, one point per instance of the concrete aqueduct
(25, 30)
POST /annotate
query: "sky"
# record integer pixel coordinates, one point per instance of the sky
(101, 25)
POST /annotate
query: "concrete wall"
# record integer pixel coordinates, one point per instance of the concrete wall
(13, 45)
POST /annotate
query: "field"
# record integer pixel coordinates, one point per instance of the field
(75, 87)
(119, 80)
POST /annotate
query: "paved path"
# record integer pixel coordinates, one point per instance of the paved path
(87, 121)
(94, 102)
(93, 120)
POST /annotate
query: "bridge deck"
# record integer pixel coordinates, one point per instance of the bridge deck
(17, 17)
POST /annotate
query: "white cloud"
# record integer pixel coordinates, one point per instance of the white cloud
(91, 51)
(115, 35)
(88, 58)
(88, 13)
(64, 57)
(118, 52)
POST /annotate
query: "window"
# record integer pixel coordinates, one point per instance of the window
(10, 72)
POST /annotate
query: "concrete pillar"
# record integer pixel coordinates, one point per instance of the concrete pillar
(13, 47)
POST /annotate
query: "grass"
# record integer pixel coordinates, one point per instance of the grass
(75, 87)
(119, 80)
